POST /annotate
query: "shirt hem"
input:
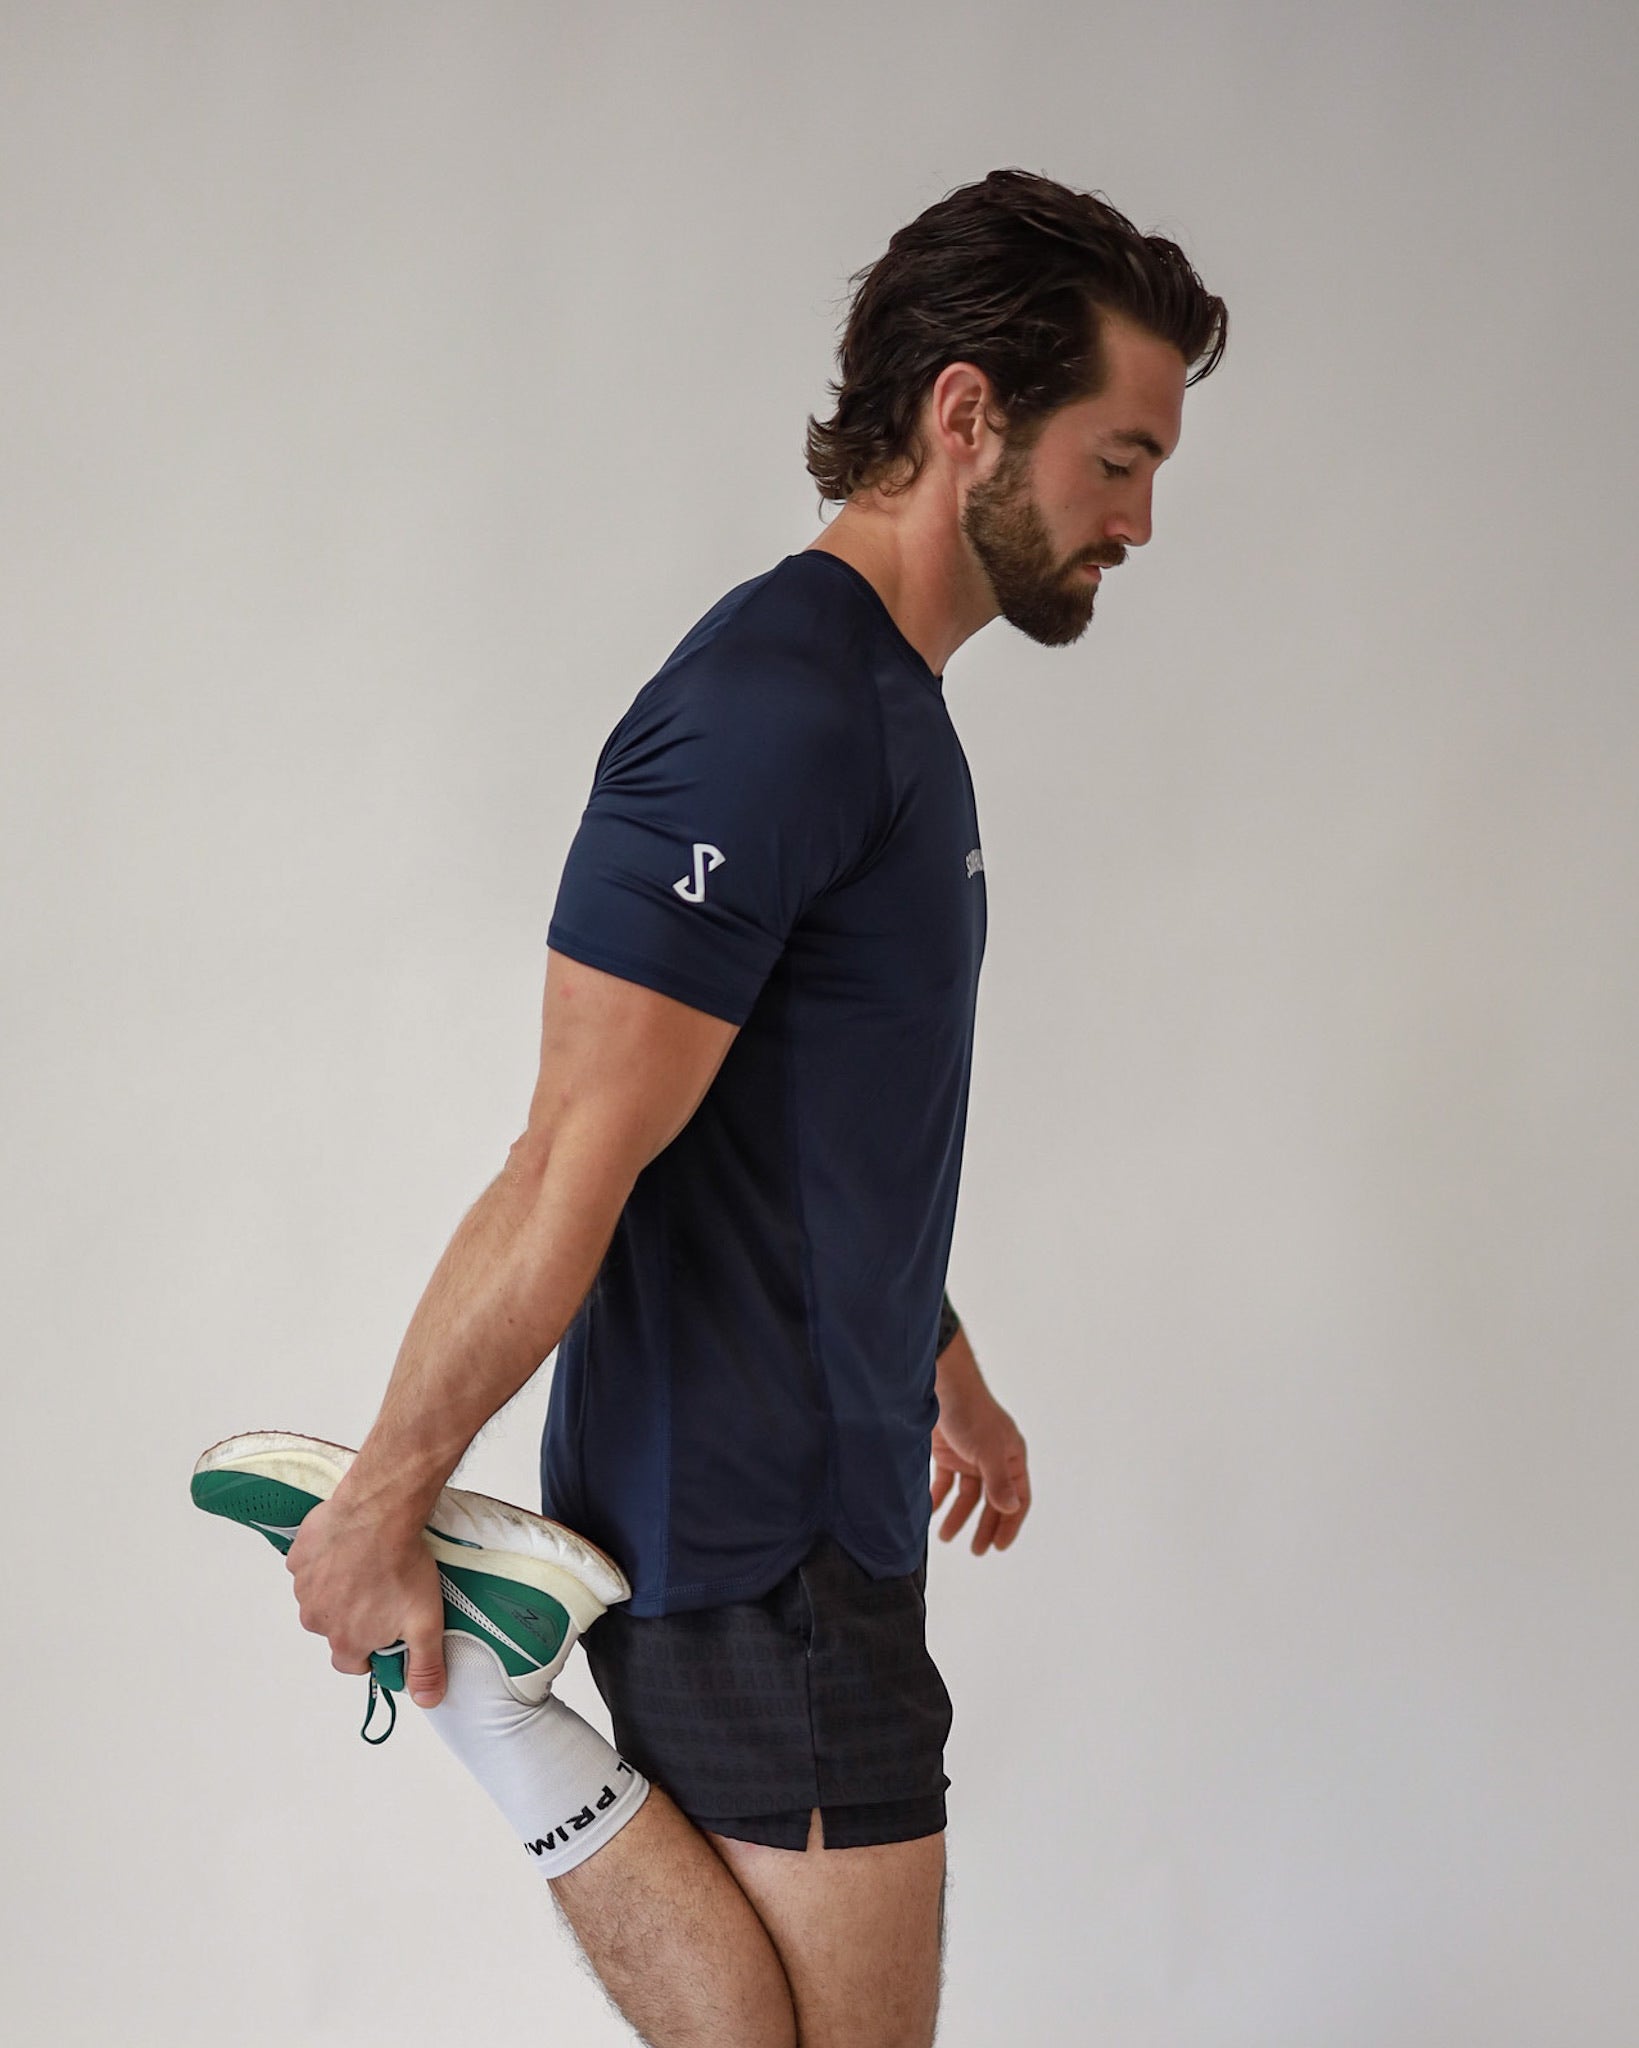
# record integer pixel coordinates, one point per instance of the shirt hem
(697, 1593)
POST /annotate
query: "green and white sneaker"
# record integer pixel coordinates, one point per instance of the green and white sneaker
(525, 1587)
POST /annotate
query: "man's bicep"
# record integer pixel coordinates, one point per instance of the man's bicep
(635, 1061)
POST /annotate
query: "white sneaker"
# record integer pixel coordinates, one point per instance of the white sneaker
(524, 1587)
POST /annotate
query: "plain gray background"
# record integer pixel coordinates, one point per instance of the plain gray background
(386, 391)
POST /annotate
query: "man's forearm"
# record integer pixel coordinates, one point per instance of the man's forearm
(504, 1292)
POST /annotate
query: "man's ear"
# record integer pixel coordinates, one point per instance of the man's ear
(962, 416)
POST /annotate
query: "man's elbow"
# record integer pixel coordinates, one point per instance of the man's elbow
(601, 1155)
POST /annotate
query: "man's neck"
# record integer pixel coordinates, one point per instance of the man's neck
(914, 557)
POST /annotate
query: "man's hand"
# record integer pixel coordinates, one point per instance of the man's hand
(977, 1442)
(366, 1580)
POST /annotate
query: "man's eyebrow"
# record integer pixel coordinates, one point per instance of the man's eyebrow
(1132, 437)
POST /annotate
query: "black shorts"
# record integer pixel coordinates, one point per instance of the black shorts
(821, 1692)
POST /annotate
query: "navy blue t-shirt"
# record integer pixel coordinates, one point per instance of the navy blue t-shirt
(781, 832)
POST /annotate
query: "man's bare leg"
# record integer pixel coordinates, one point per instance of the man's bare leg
(674, 1939)
(745, 1946)
(860, 1933)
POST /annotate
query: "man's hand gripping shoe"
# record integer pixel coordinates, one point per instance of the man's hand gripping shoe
(523, 1586)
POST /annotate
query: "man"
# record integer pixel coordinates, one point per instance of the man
(732, 1207)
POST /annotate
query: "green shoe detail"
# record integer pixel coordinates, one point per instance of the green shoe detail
(524, 1628)
(267, 1505)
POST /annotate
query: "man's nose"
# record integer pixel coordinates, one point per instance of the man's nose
(1132, 522)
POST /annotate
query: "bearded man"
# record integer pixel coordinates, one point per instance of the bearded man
(731, 1209)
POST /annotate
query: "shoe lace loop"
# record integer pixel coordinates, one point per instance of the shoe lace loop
(386, 1675)
(379, 1692)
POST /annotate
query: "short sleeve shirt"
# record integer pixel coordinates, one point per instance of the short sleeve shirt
(781, 832)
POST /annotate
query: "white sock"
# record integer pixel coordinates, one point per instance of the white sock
(563, 1788)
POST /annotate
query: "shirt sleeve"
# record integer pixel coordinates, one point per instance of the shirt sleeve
(721, 808)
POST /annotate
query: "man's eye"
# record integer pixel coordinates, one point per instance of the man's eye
(1114, 468)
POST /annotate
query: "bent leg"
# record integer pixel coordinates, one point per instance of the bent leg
(858, 1931)
(674, 1939)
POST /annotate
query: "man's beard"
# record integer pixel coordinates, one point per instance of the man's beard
(1050, 601)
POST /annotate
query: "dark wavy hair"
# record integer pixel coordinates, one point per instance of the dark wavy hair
(1011, 275)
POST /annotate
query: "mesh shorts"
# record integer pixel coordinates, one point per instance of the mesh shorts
(820, 1692)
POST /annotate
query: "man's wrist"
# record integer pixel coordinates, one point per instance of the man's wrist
(393, 1485)
(956, 1371)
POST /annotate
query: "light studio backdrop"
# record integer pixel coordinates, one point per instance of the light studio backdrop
(387, 389)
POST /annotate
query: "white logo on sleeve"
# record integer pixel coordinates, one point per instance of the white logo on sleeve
(692, 888)
(975, 863)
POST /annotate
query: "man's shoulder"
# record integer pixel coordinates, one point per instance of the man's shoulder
(770, 651)
(787, 616)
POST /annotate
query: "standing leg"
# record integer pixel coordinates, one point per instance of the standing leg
(674, 1939)
(859, 1931)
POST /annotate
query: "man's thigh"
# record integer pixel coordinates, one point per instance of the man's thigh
(860, 1932)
